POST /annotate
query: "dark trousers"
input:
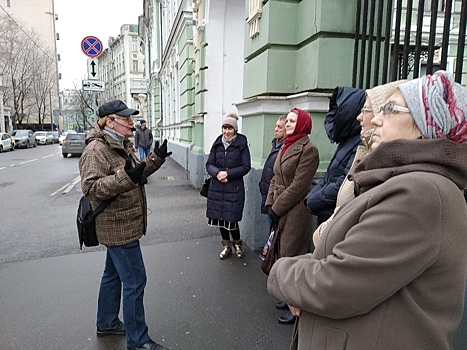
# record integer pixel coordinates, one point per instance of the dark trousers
(226, 234)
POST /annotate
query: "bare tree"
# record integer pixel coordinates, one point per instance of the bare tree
(83, 103)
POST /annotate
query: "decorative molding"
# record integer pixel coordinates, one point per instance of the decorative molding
(254, 15)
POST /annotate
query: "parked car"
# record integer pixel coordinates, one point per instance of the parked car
(73, 144)
(56, 135)
(44, 137)
(13, 140)
(24, 138)
(6, 144)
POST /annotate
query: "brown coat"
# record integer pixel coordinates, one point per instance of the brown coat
(389, 270)
(103, 177)
(293, 175)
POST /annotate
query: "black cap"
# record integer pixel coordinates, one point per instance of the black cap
(116, 107)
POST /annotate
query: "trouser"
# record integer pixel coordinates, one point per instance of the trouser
(124, 265)
(143, 152)
(226, 234)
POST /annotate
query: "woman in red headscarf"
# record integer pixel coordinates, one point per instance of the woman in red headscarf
(294, 170)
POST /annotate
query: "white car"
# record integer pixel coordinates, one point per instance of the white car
(6, 142)
(44, 137)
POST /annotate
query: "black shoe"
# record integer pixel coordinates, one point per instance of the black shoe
(280, 305)
(118, 329)
(150, 345)
(287, 318)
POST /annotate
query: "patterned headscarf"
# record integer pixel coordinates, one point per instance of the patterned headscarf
(302, 128)
(438, 106)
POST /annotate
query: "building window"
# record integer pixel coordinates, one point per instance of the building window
(135, 65)
(134, 44)
(8, 3)
(441, 5)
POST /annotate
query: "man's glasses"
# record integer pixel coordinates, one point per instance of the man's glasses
(390, 107)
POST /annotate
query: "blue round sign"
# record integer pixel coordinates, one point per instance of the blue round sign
(91, 46)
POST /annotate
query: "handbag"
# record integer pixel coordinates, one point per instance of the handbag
(273, 251)
(205, 188)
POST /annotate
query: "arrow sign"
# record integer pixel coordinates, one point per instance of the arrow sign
(93, 85)
(93, 69)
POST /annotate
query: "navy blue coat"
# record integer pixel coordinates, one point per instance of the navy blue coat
(343, 128)
(268, 172)
(226, 200)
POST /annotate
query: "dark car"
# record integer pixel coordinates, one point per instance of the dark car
(73, 144)
(56, 135)
(24, 138)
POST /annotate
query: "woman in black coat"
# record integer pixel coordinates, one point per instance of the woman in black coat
(228, 161)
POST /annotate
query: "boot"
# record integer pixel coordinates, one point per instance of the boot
(227, 249)
(239, 253)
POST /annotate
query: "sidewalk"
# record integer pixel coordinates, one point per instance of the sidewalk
(194, 301)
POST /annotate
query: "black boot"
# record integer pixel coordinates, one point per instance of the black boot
(287, 318)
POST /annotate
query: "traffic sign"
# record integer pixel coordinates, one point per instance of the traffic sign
(93, 69)
(91, 46)
(93, 85)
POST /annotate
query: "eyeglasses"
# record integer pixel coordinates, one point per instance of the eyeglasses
(127, 119)
(390, 107)
(368, 110)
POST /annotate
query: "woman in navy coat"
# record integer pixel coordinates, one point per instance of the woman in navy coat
(228, 162)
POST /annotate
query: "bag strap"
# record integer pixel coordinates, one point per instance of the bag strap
(102, 206)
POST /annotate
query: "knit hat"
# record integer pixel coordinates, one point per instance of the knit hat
(438, 106)
(231, 120)
(379, 94)
(142, 121)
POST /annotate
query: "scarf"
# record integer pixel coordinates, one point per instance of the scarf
(227, 142)
(302, 128)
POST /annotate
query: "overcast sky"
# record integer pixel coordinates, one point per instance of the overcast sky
(78, 19)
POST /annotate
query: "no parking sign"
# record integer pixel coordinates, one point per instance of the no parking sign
(91, 46)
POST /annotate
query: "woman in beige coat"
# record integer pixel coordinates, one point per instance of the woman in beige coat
(294, 170)
(389, 269)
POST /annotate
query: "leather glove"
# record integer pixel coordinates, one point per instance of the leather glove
(274, 217)
(136, 173)
(161, 151)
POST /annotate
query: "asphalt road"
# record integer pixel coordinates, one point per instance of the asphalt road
(48, 287)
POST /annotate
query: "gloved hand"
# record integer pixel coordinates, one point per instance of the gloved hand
(274, 217)
(161, 151)
(136, 173)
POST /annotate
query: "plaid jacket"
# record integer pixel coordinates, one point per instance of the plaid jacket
(103, 177)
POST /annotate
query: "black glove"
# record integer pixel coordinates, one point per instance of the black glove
(136, 173)
(161, 151)
(274, 217)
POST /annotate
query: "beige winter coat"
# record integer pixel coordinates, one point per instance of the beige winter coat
(389, 270)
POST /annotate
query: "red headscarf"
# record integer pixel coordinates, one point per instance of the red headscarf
(302, 128)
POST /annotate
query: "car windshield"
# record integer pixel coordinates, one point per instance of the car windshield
(19, 133)
(72, 136)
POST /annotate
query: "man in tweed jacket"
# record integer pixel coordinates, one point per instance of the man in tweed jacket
(109, 168)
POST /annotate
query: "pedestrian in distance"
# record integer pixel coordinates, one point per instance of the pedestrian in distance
(375, 99)
(228, 162)
(389, 270)
(268, 169)
(108, 169)
(343, 128)
(294, 170)
(143, 140)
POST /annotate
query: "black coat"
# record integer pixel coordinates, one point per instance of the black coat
(268, 172)
(226, 200)
(343, 128)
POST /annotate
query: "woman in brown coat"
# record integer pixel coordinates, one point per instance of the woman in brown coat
(294, 170)
(389, 270)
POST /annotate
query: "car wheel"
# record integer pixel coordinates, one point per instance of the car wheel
(65, 155)
(1, 148)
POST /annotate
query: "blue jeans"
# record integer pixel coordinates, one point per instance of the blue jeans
(143, 152)
(124, 265)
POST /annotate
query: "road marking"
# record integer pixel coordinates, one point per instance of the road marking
(50, 155)
(60, 189)
(2, 168)
(67, 187)
(28, 161)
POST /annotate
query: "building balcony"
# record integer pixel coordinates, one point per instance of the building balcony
(139, 86)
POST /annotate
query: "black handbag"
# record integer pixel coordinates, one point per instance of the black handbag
(205, 188)
(273, 251)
